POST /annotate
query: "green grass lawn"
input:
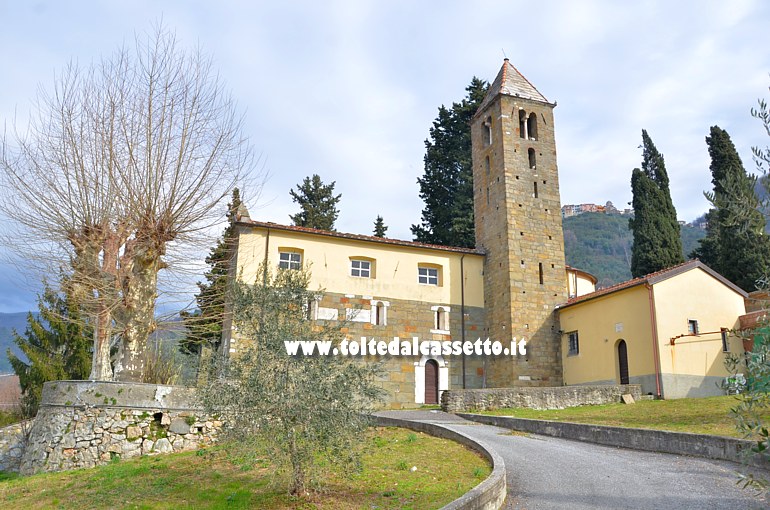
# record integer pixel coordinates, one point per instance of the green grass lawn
(696, 415)
(212, 479)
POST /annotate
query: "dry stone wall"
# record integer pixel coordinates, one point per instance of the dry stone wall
(86, 423)
(12, 443)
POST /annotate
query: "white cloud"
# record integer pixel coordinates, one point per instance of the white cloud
(348, 90)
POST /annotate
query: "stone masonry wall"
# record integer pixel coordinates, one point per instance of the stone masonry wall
(12, 443)
(457, 401)
(405, 319)
(85, 423)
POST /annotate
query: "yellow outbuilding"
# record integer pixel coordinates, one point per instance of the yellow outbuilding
(668, 331)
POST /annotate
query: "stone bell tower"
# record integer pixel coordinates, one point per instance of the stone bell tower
(518, 224)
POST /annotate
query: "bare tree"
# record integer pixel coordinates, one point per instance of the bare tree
(124, 160)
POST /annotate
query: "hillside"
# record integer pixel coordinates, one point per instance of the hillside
(601, 244)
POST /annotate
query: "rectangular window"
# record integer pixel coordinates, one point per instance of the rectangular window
(289, 260)
(361, 268)
(427, 275)
(573, 343)
(692, 326)
(725, 343)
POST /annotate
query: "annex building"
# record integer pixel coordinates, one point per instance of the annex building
(514, 285)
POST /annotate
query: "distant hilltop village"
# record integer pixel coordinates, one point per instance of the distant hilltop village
(608, 208)
(570, 210)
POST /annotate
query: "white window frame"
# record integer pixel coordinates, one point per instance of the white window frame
(570, 343)
(431, 275)
(362, 272)
(383, 305)
(289, 259)
(440, 320)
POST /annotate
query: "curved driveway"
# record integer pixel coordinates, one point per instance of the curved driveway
(552, 473)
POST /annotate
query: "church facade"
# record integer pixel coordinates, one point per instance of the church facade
(509, 288)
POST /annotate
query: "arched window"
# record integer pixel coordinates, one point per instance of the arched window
(487, 131)
(531, 154)
(522, 124)
(440, 319)
(380, 312)
(532, 126)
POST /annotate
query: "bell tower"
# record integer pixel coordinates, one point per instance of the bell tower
(518, 225)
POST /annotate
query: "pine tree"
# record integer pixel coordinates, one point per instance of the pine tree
(58, 344)
(735, 244)
(379, 227)
(204, 325)
(657, 244)
(317, 202)
(446, 187)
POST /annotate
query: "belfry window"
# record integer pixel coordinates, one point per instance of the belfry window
(487, 125)
(532, 126)
(522, 124)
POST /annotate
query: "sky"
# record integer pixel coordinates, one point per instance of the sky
(349, 89)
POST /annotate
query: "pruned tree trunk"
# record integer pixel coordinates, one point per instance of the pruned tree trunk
(139, 293)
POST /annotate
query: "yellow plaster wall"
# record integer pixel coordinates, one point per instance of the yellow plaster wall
(395, 266)
(578, 284)
(596, 322)
(695, 295)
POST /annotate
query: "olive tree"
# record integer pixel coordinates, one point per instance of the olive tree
(307, 409)
(123, 162)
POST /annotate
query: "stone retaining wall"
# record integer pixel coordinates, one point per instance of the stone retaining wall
(86, 423)
(680, 443)
(12, 443)
(558, 397)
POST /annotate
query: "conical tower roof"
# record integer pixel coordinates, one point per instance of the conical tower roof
(511, 82)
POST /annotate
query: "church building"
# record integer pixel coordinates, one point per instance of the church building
(509, 288)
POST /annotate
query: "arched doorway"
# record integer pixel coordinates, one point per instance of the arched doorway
(623, 361)
(431, 382)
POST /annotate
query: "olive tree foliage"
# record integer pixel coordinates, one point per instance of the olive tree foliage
(308, 410)
(753, 404)
(123, 161)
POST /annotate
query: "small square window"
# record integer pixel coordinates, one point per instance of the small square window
(361, 268)
(573, 344)
(692, 326)
(427, 275)
(289, 260)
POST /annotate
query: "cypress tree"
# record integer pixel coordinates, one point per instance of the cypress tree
(657, 244)
(317, 202)
(446, 187)
(735, 244)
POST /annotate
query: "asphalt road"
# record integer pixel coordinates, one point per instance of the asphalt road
(551, 473)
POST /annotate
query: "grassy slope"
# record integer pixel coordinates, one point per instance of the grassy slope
(445, 470)
(696, 415)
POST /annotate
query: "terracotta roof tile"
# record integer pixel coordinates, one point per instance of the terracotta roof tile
(359, 237)
(652, 279)
(510, 82)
